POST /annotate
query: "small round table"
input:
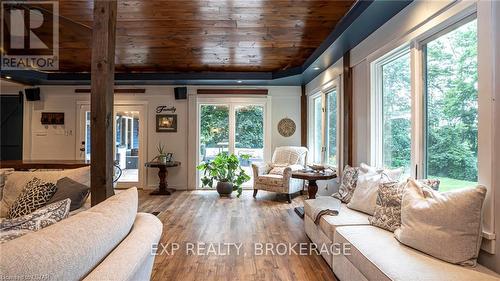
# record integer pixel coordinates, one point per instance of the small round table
(162, 174)
(312, 187)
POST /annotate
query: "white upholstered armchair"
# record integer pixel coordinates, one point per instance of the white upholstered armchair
(277, 175)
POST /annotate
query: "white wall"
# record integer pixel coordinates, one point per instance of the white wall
(415, 21)
(61, 142)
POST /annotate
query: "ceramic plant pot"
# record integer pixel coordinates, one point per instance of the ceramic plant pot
(224, 188)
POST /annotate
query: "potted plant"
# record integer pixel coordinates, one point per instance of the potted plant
(162, 155)
(226, 170)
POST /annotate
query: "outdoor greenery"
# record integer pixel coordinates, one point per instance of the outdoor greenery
(224, 168)
(214, 127)
(451, 108)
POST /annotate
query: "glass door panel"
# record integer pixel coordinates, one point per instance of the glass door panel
(214, 131)
(127, 144)
(249, 136)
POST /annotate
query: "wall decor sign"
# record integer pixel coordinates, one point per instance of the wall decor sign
(162, 108)
(286, 127)
(52, 118)
(166, 123)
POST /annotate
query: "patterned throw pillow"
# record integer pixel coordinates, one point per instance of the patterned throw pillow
(387, 213)
(43, 217)
(348, 184)
(432, 183)
(35, 194)
(277, 170)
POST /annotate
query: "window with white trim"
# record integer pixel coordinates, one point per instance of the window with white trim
(323, 134)
(429, 125)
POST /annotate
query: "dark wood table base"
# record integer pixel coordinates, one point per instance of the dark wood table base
(312, 189)
(162, 174)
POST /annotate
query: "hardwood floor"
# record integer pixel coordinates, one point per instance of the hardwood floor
(191, 217)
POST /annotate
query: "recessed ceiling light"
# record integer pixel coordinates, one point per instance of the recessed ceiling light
(8, 77)
(239, 81)
(316, 68)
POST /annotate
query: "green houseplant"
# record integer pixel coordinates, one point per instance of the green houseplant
(226, 170)
(162, 155)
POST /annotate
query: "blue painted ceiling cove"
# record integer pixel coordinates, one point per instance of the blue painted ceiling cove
(363, 19)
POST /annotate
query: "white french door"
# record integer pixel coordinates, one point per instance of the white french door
(233, 125)
(129, 140)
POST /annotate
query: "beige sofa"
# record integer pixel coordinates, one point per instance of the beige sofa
(370, 253)
(110, 241)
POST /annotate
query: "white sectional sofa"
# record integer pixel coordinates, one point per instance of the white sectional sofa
(374, 254)
(110, 241)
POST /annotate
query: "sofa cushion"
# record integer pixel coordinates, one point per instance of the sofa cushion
(269, 179)
(68, 188)
(387, 213)
(15, 182)
(364, 198)
(43, 217)
(348, 184)
(35, 194)
(327, 223)
(446, 225)
(75, 246)
(378, 256)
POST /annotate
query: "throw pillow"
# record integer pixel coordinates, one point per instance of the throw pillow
(277, 170)
(348, 184)
(43, 217)
(432, 183)
(35, 194)
(364, 198)
(444, 225)
(387, 214)
(68, 188)
(394, 174)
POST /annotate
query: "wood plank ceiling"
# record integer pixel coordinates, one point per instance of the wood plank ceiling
(202, 35)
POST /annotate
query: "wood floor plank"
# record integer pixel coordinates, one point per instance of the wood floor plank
(203, 217)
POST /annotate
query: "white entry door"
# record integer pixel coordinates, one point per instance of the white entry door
(129, 140)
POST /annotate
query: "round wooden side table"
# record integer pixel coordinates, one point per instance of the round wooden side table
(162, 174)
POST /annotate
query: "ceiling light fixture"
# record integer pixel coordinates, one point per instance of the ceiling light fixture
(8, 77)
(239, 81)
(316, 68)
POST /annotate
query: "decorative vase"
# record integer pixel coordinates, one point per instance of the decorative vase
(162, 159)
(224, 188)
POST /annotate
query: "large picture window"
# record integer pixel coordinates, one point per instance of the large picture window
(451, 107)
(429, 125)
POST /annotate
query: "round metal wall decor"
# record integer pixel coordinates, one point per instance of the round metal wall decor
(286, 127)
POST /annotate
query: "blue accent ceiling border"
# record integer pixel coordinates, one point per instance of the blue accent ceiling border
(363, 19)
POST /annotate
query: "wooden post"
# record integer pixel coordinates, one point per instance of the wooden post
(347, 126)
(303, 117)
(101, 100)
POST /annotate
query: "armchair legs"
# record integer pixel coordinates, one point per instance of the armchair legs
(289, 198)
(255, 193)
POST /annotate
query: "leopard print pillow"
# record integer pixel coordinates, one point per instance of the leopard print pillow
(387, 213)
(35, 194)
(348, 184)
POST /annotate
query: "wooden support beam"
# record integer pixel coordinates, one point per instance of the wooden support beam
(348, 107)
(303, 117)
(116, 91)
(101, 100)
